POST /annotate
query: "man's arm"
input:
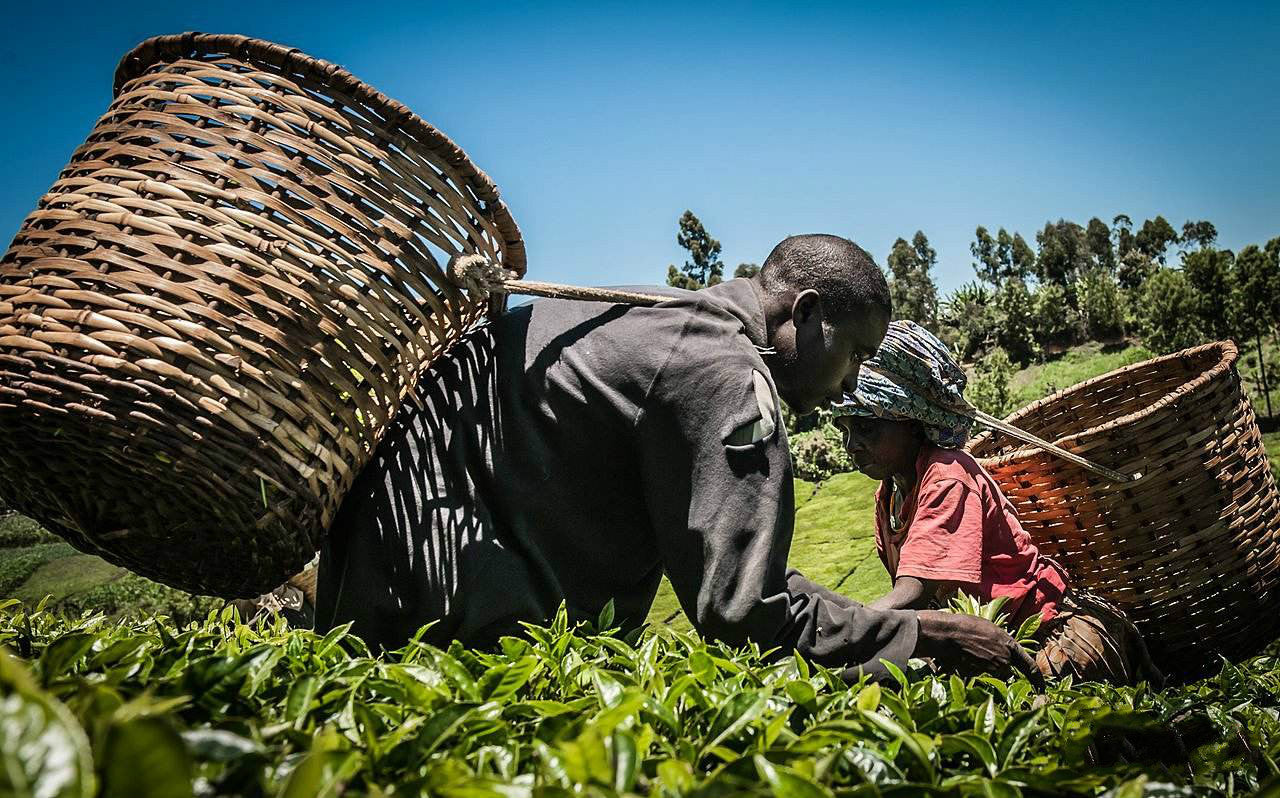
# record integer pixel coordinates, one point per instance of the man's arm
(721, 506)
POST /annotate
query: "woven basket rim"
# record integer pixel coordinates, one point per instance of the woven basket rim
(171, 47)
(1228, 353)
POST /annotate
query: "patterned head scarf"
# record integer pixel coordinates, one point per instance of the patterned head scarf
(913, 378)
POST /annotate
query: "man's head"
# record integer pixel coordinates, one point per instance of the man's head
(826, 307)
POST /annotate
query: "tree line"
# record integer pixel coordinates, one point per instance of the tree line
(1092, 282)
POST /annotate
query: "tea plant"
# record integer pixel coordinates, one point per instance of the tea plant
(91, 706)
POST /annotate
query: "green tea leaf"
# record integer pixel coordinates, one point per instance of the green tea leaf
(145, 758)
(786, 783)
(43, 750)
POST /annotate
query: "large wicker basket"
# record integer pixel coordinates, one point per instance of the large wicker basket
(207, 322)
(1192, 549)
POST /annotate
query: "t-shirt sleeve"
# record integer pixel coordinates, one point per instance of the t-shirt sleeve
(722, 515)
(944, 541)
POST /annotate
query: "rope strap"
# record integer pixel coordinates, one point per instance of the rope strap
(480, 277)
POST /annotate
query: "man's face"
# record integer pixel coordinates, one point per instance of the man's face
(818, 359)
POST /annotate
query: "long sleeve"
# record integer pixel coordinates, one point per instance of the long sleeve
(722, 514)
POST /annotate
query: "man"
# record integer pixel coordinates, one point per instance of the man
(574, 452)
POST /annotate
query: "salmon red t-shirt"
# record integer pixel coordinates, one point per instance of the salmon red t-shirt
(961, 529)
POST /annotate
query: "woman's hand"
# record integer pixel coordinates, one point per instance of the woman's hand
(909, 593)
(970, 645)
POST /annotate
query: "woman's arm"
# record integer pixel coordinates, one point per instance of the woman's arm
(909, 593)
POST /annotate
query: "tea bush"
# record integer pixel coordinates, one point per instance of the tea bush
(144, 708)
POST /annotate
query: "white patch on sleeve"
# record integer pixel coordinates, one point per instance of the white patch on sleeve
(763, 427)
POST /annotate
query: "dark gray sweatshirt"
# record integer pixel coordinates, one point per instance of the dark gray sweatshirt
(574, 452)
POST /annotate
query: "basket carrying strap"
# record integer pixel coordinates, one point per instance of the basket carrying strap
(478, 275)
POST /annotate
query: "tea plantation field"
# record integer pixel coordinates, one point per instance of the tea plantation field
(97, 707)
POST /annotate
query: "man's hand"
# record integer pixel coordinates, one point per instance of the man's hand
(970, 645)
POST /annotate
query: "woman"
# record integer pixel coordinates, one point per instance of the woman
(943, 524)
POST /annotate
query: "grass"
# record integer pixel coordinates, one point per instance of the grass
(19, 564)
(67, 576)
(1075, 366)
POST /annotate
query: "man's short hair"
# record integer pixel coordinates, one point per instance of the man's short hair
(843, 274)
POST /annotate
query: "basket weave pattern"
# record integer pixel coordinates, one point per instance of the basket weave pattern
(1191, 550)
(210, 317)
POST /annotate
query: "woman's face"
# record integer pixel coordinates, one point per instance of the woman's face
(879, 447)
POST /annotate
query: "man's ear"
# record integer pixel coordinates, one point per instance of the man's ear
(806, 308)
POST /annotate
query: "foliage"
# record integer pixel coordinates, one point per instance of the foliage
(989, 388)
(995, 612)
(19, 564)
(1001, 258)
(746, 270)
(1134, 269)
(1154, 238)
(1200, 234)
(1258, 285)
(1271, 441)
(1122, 235)
(138, 597)
(17, 531)
(704, 267)
(222, 708)
(1074, 367)
(1210, 272)
(1168, 312)
(911, 286)
(819, 453)
(1056, 322)
(1064, 252)
(1101, 304)
(1099, 237)
(1016, 325)
(969, 319)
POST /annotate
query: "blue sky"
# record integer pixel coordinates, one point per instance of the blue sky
(602, 122)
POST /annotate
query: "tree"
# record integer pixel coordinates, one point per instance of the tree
(1054, 320)
(1134, 270)
(1202, 234)
(989, 388)
(746, 270)
(1001, 258)
(1101, 304)
(1210, 274)
(1258, 286)
(968, 319)
(914, 294)
(1064, 252)
(1122, 232)
(1154, 238)
(1168, 312)
(986, 264)
(1015, 321)
(1099, 237)
(703, 268)
(1022, 258)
